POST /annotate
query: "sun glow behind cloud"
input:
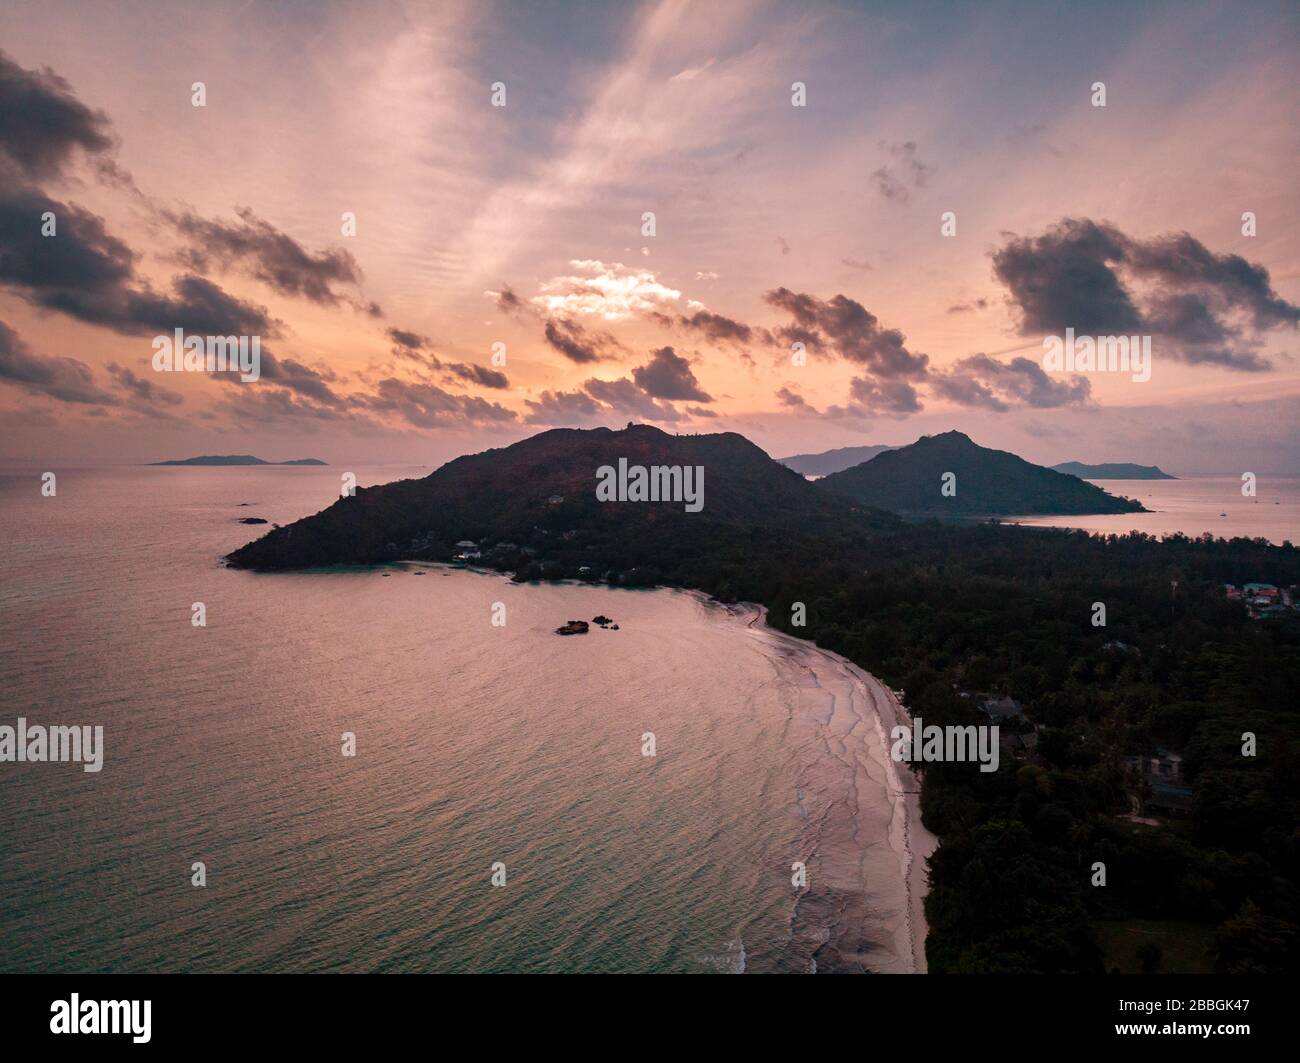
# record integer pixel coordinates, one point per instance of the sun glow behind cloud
(683, 109)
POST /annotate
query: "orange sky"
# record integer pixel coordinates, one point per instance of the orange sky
(680, 109)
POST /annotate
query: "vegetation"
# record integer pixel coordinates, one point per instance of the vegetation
(939, 610)
(983, 483)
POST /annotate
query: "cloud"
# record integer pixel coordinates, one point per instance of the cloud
(66, 379)
(144, 392)
(477, 374)
(256, 247)
(895, 181)
(627, 397)
(429, 406)
(197, 305)
(405, 340)
(1202, 307)
(87, 273)
(294, 376)
(42, 123)
(791, 399)
(668, 376)
(968, 308)
(983, 382)
(564, 408)
(577, 344)
(844, 326)
(1064, 279)
(417, 348)
(720, 329)
(611, 291)
(891, 398)
(509, 303)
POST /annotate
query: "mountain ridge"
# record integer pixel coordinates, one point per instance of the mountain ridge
(543, 489)
(910, 481)
(828, 461)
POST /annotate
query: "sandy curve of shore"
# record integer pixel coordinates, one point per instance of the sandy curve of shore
(872, 848)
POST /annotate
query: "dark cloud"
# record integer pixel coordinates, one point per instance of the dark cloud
(967, 308)
(578, 344)
(410, 341)
(428, 406)
(1202, 307)
(791, 399)
(196, 305)
(66, 379)
(412, 345)
(294, 376)
(563, 408)
(1182, 262)
(846, 327)
(985, 383)
(256, 247)
(82, 257)
(477, 374)
(891, 398)
(700, 411)
(719, 329)
(625, 396)
(142, 390)
(275, 406)
(509, 303)
(42, 123)
(668, 376)
(87, 273)
(1064, 279)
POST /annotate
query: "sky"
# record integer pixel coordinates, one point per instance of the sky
(454, 225)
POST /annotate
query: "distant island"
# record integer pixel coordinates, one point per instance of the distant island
(829, 461)
(1116, 470)
(909, 481)
(236, 459)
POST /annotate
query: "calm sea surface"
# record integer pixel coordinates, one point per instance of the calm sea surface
(475, 745)
(1196, 506)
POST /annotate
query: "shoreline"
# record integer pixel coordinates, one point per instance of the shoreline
(910, 843)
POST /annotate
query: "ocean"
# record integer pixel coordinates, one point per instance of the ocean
(481, 750)
(1196, 506)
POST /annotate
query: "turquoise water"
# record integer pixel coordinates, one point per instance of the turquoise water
(476, 744)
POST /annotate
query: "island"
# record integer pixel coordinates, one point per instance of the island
(1115, 470)
(973, 624)
(950, 477)
(236, 459)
